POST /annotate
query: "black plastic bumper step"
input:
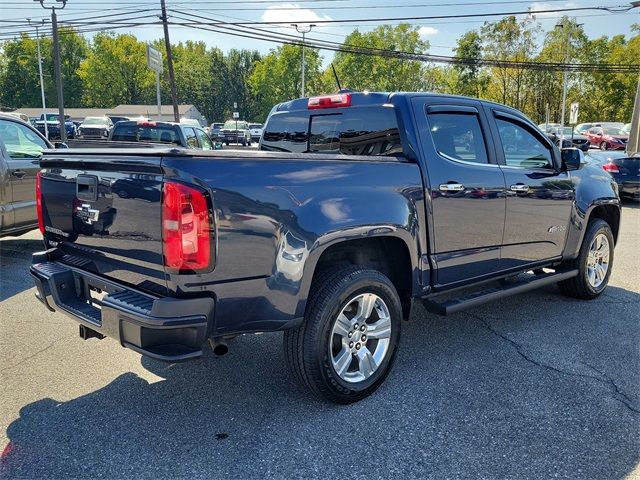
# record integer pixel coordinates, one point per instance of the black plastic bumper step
(483, 296)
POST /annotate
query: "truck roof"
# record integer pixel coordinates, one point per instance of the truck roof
(362, 99)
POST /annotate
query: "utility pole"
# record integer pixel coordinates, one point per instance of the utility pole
(303, 30)
(56, 66)
(172, 79)
(44, 105)
(565, 77)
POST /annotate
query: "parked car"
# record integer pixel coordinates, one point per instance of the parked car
(235, 132)
(545, 127)
(330, 234)
(582, 128)
(117, 118)
(608, 138)
(215, 130)
(20, 148)
(571, 139)
(95, 127)
(190, 121)
(147, 131)
(625, 170)
(256, 131)
(53, 126)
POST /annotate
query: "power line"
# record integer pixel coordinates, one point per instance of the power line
(346, 48)
(435, 17)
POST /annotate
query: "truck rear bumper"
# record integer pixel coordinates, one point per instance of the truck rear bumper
(168, 329)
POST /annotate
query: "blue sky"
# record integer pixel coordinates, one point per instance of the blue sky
(442, 34)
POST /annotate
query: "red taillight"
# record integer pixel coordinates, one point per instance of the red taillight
(186, 228)
(329, 101)
(611, 168)
(39, 203)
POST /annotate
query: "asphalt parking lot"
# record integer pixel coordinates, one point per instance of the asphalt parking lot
(535, 386)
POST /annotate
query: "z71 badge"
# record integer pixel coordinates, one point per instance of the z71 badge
(87, 214)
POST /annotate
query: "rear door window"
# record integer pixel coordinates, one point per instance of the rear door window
(458, 136)
(20, 141)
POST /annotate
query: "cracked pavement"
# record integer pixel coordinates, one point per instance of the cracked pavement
(532, 386)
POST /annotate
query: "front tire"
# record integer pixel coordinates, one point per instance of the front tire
(346, 346)
(594, 263)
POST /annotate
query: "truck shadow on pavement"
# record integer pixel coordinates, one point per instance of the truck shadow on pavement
(530, 387)
(15, 257)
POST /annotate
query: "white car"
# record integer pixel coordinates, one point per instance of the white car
(256, 131)
(95, 127)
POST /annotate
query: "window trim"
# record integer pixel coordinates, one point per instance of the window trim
(463, 110)
(501, 115)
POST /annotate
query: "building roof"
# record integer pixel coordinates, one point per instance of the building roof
(145, 110)
(120, 110)
(73, 112)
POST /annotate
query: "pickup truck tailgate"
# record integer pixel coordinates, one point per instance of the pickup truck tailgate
(102, 209)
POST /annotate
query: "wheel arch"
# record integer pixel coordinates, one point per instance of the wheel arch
(394, 254)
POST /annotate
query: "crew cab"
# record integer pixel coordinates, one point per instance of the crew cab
(357, 206)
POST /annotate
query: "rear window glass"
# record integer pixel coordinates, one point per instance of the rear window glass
(144, 133)
(355, 131)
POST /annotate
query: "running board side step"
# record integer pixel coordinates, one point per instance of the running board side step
(478, 298)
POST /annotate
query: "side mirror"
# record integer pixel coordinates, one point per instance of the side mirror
(571, 159)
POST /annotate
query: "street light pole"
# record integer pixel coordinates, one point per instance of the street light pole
(44, 105)
(56, 66)
(303, 30)
(172, 78)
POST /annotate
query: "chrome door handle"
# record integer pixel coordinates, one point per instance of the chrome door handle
(451, 187)
(18, 173)
(520, 188)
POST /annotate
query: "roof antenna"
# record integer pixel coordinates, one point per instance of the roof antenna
(335, 75)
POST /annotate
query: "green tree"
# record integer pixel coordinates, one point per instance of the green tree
(509, 40)
(471, 79)
(276, 78)
(115, 72)
(376, 72)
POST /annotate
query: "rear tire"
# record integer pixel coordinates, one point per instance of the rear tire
(594, 263)
(339, 353)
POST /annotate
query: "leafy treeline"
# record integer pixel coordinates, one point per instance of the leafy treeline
(111, 69)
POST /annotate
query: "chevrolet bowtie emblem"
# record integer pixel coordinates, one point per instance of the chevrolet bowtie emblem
(87, 214)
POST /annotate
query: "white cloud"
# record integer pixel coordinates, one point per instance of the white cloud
(427, 31)
(541, 6)
(293, 13)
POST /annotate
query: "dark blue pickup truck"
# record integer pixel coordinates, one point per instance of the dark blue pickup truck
(357, 205)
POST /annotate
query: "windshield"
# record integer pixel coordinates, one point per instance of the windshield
(612, 131)
(255, 125)
(626, 129)
(231, 125)
(566, 131)
(95, 121)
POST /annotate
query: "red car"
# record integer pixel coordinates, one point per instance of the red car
(607, 138)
